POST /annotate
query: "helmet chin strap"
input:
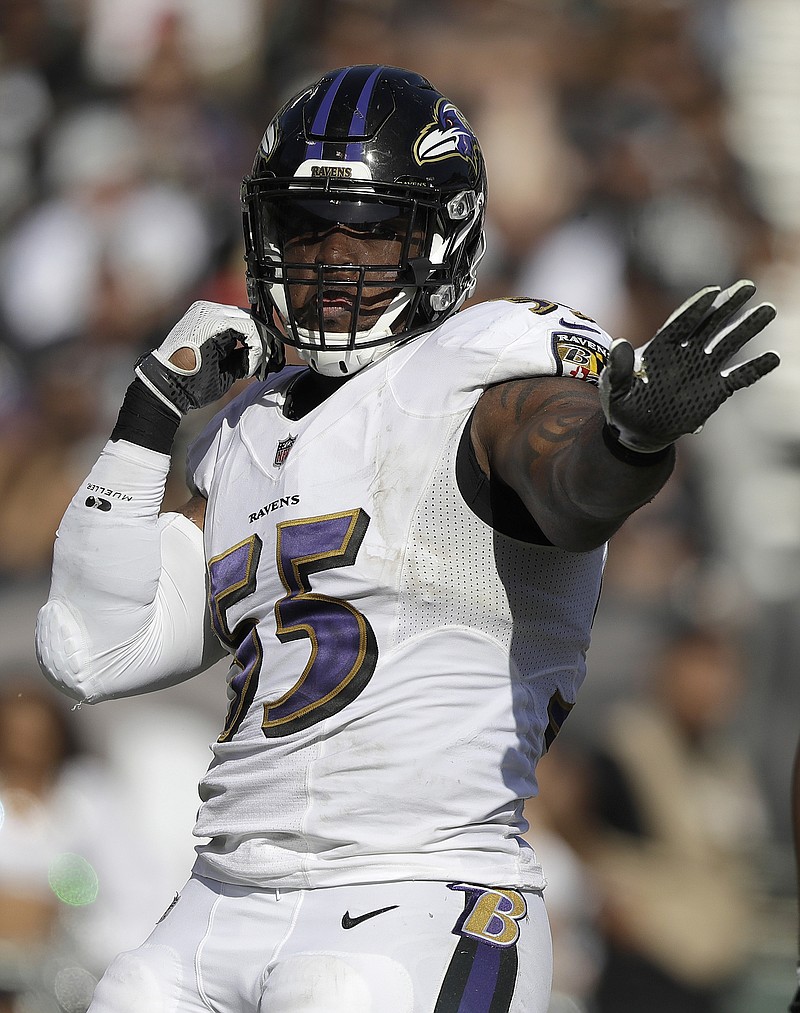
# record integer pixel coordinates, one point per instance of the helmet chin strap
(345, 362)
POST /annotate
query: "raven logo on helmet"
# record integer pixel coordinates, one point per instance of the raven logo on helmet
(447, 136)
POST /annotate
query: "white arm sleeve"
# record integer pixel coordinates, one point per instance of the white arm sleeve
(127, 611)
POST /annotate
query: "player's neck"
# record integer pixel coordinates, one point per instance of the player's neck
(308, 390)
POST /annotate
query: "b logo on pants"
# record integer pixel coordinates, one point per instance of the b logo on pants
(491, 915)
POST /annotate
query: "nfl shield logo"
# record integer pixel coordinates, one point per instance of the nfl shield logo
(284, 446)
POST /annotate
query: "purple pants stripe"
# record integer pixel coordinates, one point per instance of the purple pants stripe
(482, 981)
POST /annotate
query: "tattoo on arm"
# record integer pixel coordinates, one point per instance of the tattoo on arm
(543, 438)
(551, 422)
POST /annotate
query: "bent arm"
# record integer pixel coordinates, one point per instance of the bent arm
(127, 610)
(127, 607)
(543, 437)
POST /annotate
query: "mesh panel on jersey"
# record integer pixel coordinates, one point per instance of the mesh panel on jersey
(536, 601)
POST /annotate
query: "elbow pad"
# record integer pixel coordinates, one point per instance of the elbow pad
(127, 609)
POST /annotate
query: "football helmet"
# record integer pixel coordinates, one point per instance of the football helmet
(376, 155)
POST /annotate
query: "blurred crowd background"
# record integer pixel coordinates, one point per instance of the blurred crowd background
(637, 150)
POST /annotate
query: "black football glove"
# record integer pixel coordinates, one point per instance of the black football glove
(227, 345)
(794, 1006)
(673, 384)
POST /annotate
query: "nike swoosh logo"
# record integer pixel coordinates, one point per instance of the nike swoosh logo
(349, 923)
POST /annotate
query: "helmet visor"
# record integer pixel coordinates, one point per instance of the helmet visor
(288, 222)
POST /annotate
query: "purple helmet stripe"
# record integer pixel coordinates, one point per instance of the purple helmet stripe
(355, 149)
(314, 148)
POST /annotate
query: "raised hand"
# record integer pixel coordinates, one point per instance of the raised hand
(209, 348)
(674, 383)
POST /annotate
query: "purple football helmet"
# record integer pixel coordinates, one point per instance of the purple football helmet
(378, 153)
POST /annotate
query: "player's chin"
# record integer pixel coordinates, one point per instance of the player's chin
(338, 318)
(332, 321)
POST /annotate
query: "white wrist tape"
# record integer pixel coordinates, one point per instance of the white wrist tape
(127, 608)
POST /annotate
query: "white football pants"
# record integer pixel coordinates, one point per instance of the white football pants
(416, 947)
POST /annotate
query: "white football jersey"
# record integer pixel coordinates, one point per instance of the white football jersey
(398, 665)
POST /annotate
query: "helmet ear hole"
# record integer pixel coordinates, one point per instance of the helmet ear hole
(442, 299)
(462, 205)
(407, 167)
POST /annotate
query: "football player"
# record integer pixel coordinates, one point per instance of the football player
(400, 546)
